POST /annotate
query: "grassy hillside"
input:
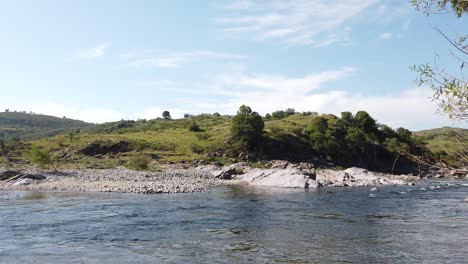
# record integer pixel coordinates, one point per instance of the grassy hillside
(286, 137)
(163, 141)
(449, 144)
(34, 126)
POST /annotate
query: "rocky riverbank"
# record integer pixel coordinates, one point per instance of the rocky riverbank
(304, 175)
(171, 180)
(177, 179)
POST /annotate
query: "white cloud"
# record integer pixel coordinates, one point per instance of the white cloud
(385, 36)
(316, 23)
(93, 53)
(160, 59)
(411, 108)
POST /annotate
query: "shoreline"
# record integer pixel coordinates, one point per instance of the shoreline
(179, 179)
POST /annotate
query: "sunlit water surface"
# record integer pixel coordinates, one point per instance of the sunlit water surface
(427, 223)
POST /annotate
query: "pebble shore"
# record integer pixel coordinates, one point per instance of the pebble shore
(171, 180)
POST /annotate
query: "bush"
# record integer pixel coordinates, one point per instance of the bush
(193, 127)
(138, 163)
(196, 148)
(41, 157)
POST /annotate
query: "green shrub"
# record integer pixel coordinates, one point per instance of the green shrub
(138, 163)
(193, 127)
(196, 148)
(41, 157)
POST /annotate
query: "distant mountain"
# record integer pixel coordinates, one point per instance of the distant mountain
(35, 126)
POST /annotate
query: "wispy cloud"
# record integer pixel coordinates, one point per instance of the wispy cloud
(240, 4)
(92, 53)
(245, 83)
(385, 36)
(316, 23)
(160, 59)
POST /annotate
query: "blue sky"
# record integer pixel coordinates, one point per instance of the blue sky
(107, 60)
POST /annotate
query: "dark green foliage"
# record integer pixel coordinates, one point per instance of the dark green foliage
(193, 127)
(247, 128)
(359, 141)
(166, 115)
(138, 163)
(280, 114)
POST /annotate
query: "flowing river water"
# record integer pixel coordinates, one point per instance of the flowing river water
(426, 223)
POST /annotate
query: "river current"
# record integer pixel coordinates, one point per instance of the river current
(426, 223)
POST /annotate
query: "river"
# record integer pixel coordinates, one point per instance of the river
(426, 223)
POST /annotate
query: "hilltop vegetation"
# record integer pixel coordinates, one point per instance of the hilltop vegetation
(325, 140)
(450, 145)
(33, 126)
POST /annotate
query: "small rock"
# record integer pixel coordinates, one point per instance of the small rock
(23, 182)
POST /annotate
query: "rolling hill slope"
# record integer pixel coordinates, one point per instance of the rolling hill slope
(35, 126)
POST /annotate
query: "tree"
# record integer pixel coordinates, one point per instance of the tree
(247, 127)
(450, 89)
(166, 115)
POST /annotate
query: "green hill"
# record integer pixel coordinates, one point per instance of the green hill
(325, 140)
(34, 126)
(285, 137)
(449, 144)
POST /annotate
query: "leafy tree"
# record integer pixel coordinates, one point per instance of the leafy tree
(247, 127)
(166, 115)
(268, 116)
(450, 89)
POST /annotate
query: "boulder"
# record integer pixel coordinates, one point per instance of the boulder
(279, 164)
(8, 175)
(21, 182)
(459, 173)
(359, 177)
(105, 147)
(225, 174)
(283, 178)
